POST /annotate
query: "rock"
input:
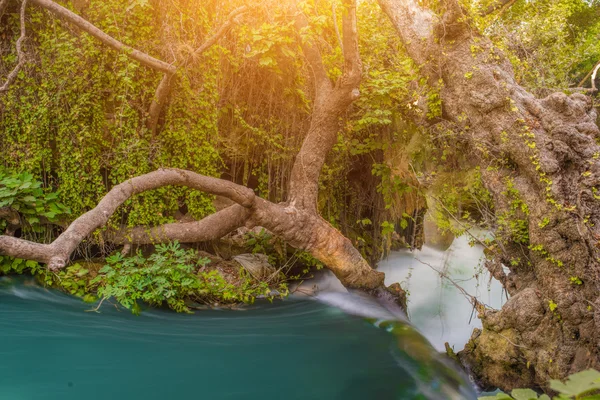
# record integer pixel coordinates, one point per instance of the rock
(257, 265)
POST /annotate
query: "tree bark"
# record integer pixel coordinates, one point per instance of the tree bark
(546, 150)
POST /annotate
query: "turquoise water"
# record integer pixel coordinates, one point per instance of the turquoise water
(51, 348)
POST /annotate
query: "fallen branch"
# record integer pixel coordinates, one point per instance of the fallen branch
(57, 253)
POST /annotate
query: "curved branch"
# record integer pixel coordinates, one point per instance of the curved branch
(211, 227)
(20, 53)
(108, 40)
(58, 252)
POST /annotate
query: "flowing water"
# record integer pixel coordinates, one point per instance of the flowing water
(52, 349)
(343, 346)
(438, 308)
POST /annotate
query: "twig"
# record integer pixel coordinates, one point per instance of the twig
(95, 309)
(461, 224)
(511, 342)
(472, 299)
(20, 53)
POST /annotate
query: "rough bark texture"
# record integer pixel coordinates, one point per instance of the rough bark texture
(547, 148)
(158, 101)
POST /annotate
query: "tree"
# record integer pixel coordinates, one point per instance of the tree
(296, 221)
(540, 161)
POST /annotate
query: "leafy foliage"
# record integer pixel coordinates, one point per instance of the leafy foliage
(583, 385)
(167, 276)
(171, 276)
(25, 195)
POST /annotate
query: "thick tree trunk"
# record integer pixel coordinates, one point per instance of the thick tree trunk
(541, 164)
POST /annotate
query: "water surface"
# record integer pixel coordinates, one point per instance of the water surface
(53, 349)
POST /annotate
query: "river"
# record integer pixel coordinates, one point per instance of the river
(54, 348)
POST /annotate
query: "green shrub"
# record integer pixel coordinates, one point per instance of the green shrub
(167, 276)
(22, 193)
(170, 276)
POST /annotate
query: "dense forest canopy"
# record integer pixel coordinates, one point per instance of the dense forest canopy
(336, 125)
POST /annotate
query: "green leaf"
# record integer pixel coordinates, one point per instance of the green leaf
(498, 396)
(266, 61)
(577, 384)
(524, 394)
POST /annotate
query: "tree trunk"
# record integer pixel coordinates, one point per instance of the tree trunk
(540, 161)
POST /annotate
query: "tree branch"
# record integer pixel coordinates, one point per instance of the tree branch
(591, 74)
(502, 5)
(158, 101)
(211, 227)
(313, 56)
(329, 105)
(335, 27)
(222, 31)
(56, 254)
(108, 40)
(20, 53)
(164, 87)
(352, 64)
